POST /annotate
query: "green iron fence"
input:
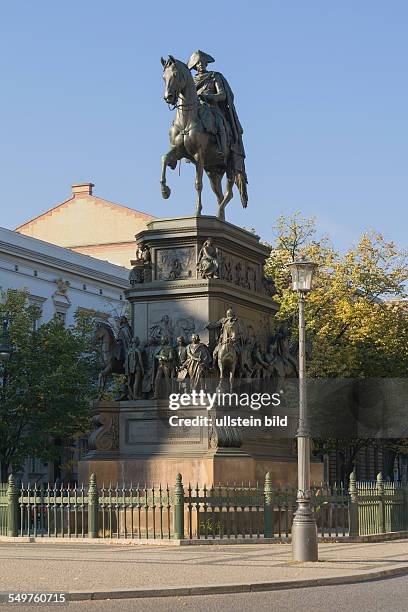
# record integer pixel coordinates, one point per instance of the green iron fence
(229, 511)
(52, 510)
(377, 507)
(3, 509)
(232, 511)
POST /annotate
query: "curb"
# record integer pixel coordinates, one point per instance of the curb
(375, 538)
(139, 541)
(225, 589)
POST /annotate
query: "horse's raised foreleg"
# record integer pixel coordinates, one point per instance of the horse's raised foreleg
(170, 159)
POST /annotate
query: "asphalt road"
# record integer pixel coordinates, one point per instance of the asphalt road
(376, 596)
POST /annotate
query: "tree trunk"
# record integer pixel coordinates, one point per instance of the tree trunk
(388, 464)
(4, 471)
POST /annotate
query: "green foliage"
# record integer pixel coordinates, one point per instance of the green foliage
(212, 528)
(48, 384)
(357, 314)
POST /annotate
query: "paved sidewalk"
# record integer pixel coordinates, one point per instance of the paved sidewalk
(99, 571)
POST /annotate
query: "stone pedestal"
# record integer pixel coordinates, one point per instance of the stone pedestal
(132, 441)
(178, 302)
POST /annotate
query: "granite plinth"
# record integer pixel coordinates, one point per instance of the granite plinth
(133, 442)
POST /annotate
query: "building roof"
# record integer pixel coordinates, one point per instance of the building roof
(85, 219)
(41, 252)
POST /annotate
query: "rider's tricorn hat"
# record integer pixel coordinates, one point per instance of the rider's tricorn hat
(198, 56)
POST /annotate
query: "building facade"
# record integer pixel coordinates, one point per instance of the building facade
(58, 280)
(61, 282)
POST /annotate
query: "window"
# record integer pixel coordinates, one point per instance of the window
(61, 317)
(36, 303)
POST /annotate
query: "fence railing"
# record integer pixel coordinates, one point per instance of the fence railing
(230, 511)
(377, 507)
(4, 504)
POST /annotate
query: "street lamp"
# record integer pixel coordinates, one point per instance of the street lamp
(304, 529)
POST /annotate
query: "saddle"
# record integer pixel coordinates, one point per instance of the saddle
(207, 119)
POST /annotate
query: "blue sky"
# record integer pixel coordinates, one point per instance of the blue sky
(321, 89)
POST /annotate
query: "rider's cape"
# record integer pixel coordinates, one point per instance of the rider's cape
(228, 109)
(231, 114)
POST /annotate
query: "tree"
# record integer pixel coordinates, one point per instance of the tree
(356, 315)
(49, 384)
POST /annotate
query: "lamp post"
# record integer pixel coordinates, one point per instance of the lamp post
(304, 529)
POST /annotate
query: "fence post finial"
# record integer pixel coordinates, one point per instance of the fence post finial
(268, 507)
(178, 509)
(354, 519)
(12, 511)
(353, 486)
(381, 503)
(93, 507)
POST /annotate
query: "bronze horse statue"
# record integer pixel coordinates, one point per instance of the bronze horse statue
(189, 140)
(284, 364)
(226, 357)
(109, 349)
(281, 369)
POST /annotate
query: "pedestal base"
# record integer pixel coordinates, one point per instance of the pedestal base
(219, 468)
(133, 442)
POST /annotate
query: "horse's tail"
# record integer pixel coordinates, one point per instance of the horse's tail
(241, 182)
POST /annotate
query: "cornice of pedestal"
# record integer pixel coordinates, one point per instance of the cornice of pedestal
(195, 288)
(184, 230)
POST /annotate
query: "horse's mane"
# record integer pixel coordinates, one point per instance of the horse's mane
(184, 70)
(106, 326)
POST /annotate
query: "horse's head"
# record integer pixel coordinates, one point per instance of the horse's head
(174, 76)
(102, 330)
(98, 331)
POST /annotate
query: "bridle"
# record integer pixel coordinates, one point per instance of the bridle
(181, 106)
(187, 107)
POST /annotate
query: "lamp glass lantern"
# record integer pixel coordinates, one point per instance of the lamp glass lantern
(302, 272)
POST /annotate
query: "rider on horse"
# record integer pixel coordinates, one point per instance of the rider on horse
(124, 339)
(281, 349)
(218, 114)
(229, 330)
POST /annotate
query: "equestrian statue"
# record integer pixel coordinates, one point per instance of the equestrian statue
(206, 130)
(113, 350)
(229, 347)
